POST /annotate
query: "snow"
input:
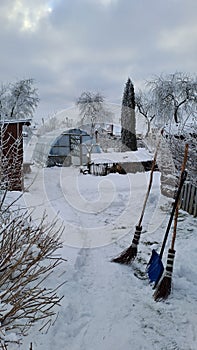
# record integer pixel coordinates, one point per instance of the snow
(138, 156)
(185, 128)
(106, 305)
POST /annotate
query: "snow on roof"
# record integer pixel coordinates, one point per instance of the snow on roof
(140, 155)
(14, 121)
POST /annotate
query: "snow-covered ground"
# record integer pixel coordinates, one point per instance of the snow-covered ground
(106, 305)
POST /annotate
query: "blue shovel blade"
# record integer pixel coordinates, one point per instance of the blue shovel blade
(155, 268)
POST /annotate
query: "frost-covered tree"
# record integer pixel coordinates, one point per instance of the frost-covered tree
(92, 109)
(145, 107)
(3, 101)
(170, 101)
(11, 156)
(174, 96)
(18, 100)
(176, 138)
(128, 121)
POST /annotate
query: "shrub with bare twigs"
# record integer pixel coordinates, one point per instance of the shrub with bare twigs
(26, 260)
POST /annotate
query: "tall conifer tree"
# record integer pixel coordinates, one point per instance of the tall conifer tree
(128, 122)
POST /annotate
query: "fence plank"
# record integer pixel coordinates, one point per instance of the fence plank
(189, 199)
(191, 202)
(188, 196)
(195, 204)
(183, 197)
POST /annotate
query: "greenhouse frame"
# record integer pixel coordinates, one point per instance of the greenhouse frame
(58, 148)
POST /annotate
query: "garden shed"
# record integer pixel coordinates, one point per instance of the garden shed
(58, 148)
(11, 142)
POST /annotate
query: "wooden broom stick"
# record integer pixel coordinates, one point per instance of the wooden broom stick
(129, 254)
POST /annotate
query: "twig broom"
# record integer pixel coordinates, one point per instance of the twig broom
(155, 266)
(129, 254)
(164, 287)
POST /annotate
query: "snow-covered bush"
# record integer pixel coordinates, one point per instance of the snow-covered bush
(177, 136)
(26, 261)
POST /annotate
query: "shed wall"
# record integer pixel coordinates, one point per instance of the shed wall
(12, 155)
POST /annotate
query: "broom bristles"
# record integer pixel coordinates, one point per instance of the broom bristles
(164, 289)
(127, 256)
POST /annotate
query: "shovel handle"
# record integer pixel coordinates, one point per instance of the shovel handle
(182, 180)
(177, 207)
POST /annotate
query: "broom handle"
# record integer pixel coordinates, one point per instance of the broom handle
(182, 180)
(150, 183)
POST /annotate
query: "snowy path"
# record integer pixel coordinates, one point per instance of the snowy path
(95, 210)
(105, 305)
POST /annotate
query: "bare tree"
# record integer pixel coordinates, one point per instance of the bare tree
(174, 96)
(91, 108)
(173, 100)
(170, 102)
(145, 108)
(18, 100)
(11, 155)
(176, 139)
(3, 101)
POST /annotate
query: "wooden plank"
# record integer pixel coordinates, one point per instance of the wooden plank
(191, 201)
(188, 197)
(183, 196)
(195, 204)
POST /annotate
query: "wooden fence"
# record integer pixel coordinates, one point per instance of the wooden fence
(102, 169)
(189, 198)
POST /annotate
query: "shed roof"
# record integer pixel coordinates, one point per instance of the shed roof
(15, 121)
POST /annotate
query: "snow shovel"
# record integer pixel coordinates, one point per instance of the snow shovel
(129, 254)
(155, 266)
(164, 288)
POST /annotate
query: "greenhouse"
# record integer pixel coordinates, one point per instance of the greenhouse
(58, 148)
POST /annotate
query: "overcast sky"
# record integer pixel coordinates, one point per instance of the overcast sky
(71, 46)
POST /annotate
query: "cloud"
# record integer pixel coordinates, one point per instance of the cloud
(24, 15)
(180, 39)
